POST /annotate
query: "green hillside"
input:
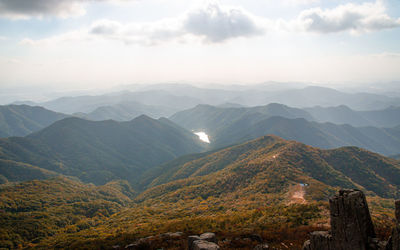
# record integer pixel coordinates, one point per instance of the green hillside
(21, 120)
(99, 152)
(34, 210)
(270, 164)
(269, 186)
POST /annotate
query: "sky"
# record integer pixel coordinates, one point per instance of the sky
(79, 44)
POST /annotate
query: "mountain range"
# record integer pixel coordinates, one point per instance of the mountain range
(227, 126)
(110, 172)
(178, 97)
(267, 184)
(98, 152)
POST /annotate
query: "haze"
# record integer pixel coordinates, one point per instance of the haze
(70, 45)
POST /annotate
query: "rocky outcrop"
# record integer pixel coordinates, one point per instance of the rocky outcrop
(209, 237)
(394, 241)
(204, 245)
(206, 241)
(319, 240)
(351, 225)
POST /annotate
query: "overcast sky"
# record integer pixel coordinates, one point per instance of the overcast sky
(103, 43)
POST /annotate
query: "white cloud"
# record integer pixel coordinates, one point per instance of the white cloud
(212, 23)
(356, 18)
(217, 24)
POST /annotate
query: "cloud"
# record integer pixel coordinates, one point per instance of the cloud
(25, 9)
(217, 24)
(356, 18)
(212, 23)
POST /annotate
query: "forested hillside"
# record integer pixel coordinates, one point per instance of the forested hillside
(102, 151)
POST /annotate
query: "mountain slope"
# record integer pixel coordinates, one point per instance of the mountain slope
(388, 117)
(271, 165)
(324, 135)
(126, 111)
(327, 97)
(101, 151)
(213, 119)
(87, 104)
(34, 210)
(21, 120)
(227, 126)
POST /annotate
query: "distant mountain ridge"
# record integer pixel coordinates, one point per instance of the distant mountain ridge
(21, 120)
(87, 104)
(126, 111)
(184, 96)
(227, 126)
(101, 151)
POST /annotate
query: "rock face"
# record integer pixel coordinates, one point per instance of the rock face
(394, 241)
(319, 240)
(204, 245)
(351, 222)
(351, 225)
(209, 237)
(206, 241)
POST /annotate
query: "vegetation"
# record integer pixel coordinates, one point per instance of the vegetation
(228, 126)
(99, 152)
(21, 120)
(245, 189)
(34, 210)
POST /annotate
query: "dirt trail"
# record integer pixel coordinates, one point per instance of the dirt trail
(297, 195)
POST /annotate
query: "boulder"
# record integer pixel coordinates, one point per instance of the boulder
(321, 240)
(191, 239)
(204, 245)
(395, 239)
(209, 237)
(351, 224)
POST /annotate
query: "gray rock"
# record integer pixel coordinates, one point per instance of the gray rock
(351, 222)
(204, 245)
(307, 245)
(351, 225)
(321, 240)
(395, 240)
(191, 239)
(209, 237)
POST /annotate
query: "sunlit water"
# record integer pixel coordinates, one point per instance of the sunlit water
(203, 136)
